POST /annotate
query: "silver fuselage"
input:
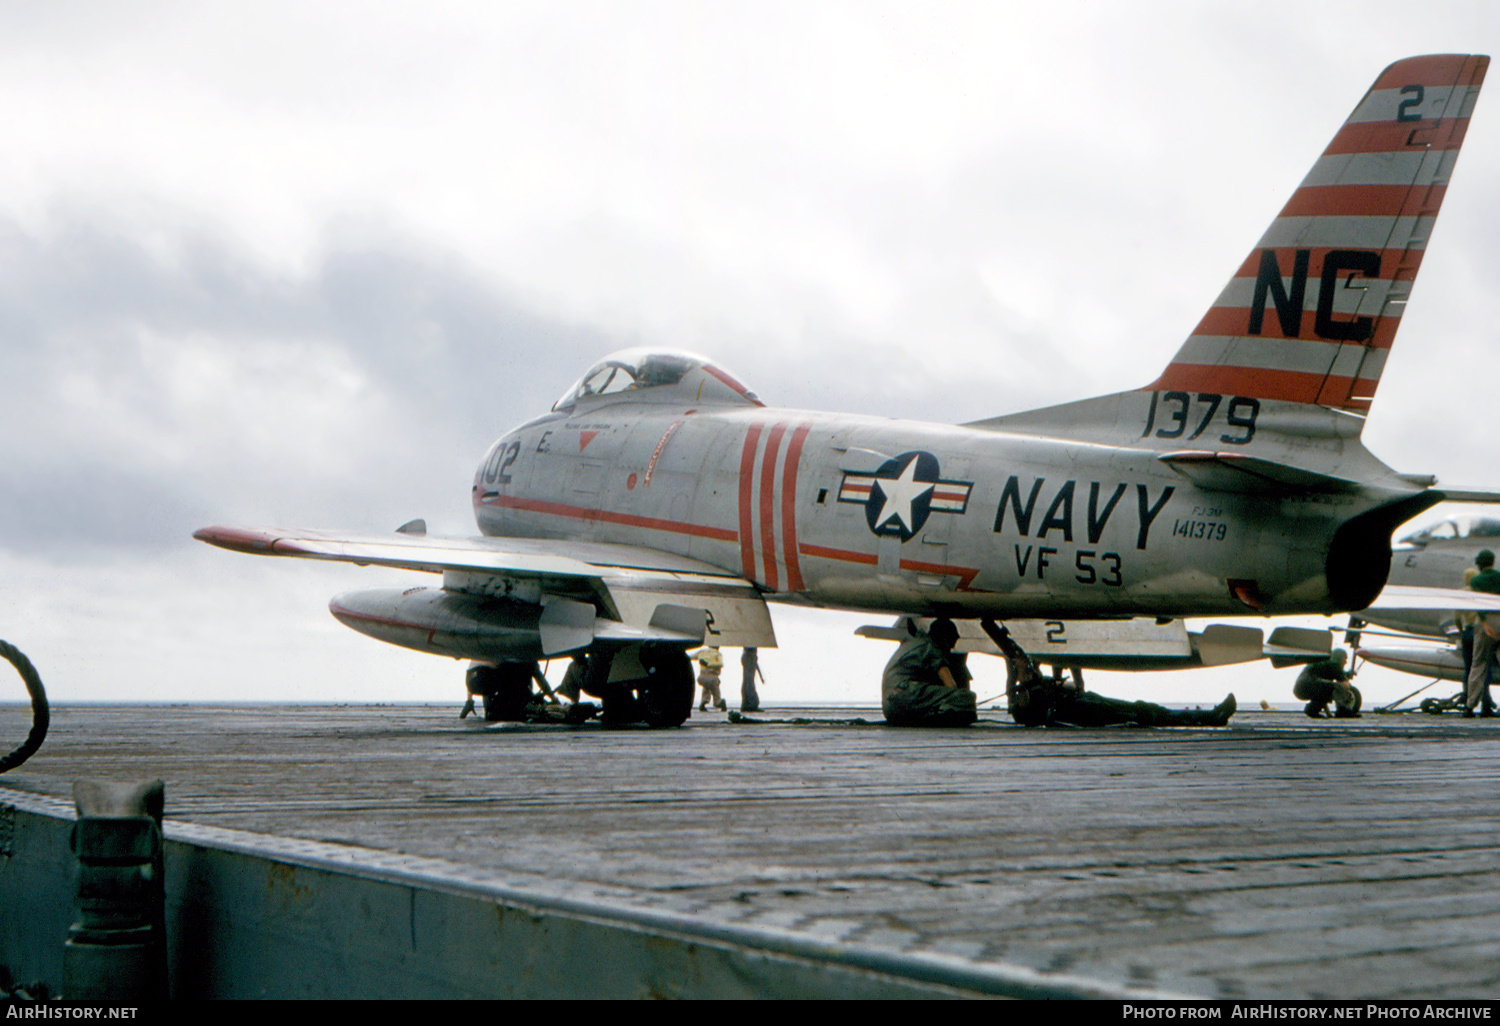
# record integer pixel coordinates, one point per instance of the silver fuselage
(1012, 525)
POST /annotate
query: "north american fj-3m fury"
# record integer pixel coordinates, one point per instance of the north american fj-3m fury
(660, 501)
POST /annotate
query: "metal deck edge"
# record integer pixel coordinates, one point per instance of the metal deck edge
(649, 916)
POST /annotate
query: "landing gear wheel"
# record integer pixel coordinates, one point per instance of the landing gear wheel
(620, 706)
(1352, 710)
(505, 688)
(667, 693)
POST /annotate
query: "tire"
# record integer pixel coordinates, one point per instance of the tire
(666, 695)
(621, 707)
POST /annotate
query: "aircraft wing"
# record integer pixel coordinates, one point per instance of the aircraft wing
(626, 583)
(1238, 472)
(1415, 597)
(1425, 611)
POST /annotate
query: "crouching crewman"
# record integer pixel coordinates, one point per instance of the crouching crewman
(926, 683)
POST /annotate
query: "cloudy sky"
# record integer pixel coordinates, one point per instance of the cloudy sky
(267, 263)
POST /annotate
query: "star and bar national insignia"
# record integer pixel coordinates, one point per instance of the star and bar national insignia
(900, 495)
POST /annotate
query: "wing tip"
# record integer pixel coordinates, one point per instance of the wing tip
(238, 539)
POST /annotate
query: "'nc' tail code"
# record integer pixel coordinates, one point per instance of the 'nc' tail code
(1310, 315)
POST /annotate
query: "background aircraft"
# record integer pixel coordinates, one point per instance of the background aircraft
(660, 499)
(1411, 627)
(1429, 566)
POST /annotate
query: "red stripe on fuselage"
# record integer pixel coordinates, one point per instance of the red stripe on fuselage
(841, 555)
(789, 507)
(747, 486)
(609, 517)
(768, 503)
(964, 574)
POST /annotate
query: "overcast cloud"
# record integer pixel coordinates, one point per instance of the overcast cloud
(299, 264)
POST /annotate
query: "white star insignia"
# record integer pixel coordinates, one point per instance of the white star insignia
(900, 493)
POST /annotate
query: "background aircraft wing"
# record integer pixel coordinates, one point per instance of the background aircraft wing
(626, 583)
(1415, 597)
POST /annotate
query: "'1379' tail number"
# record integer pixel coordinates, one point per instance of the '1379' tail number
(1172, 413)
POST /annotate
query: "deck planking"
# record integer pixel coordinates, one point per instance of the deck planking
(1278, 858)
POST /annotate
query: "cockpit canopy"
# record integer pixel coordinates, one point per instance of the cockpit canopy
(1456, 529)
(657, 376)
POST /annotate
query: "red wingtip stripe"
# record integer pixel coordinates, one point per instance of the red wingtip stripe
(239, 539)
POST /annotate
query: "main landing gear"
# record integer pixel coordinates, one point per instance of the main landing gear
(650, 684)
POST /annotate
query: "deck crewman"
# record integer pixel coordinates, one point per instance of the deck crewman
(1035, 700)
(926, 683)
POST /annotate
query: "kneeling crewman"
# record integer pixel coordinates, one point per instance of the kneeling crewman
(1326, 681)
(926, 683)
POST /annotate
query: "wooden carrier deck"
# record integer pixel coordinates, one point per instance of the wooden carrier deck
(1277, 858)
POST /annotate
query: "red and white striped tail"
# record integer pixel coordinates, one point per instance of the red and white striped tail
(1310, 315)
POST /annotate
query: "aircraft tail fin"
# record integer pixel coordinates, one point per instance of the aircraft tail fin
(1310, 316)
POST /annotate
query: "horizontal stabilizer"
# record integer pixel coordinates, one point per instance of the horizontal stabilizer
(1043, 640)
(1137, 644)
(1238, 472)
(1459, 494)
